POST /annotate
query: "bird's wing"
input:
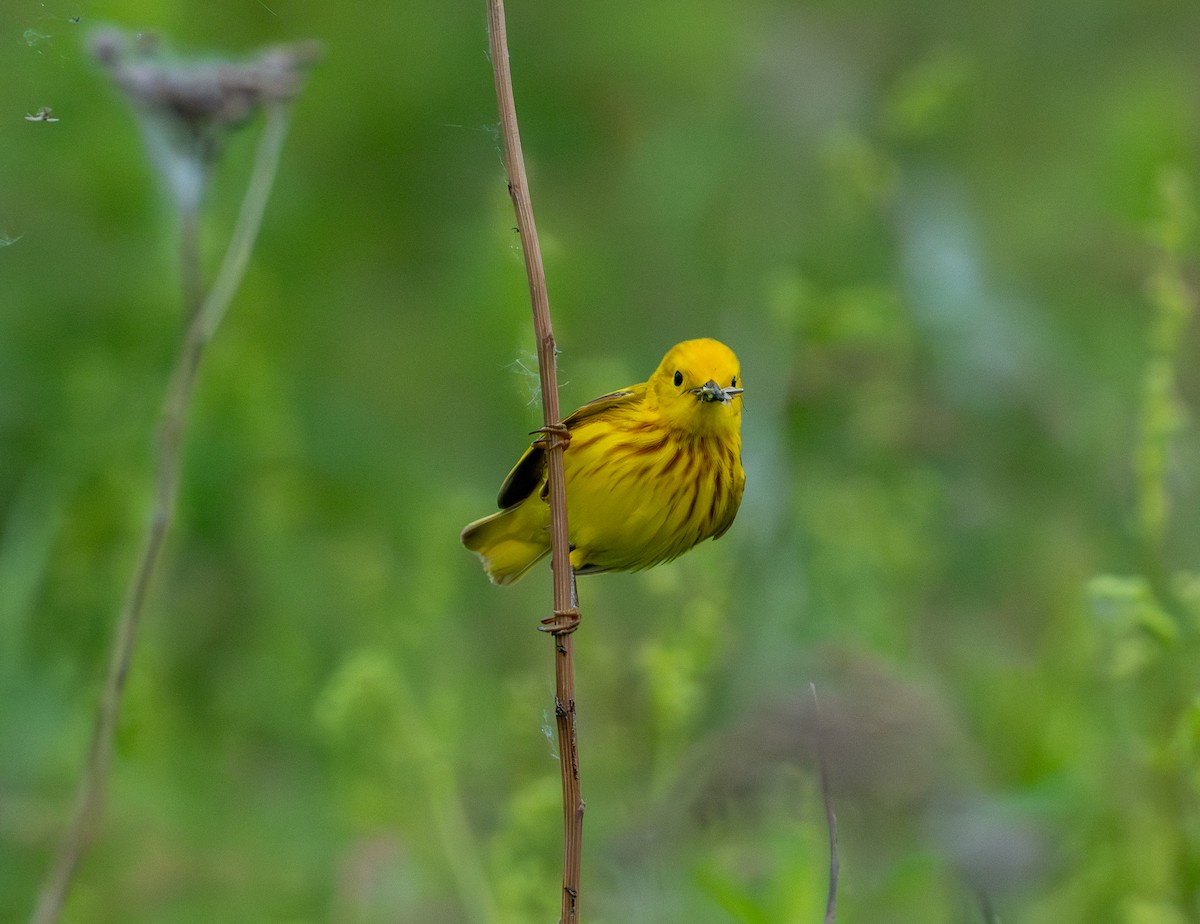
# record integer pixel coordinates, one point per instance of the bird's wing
(529, 474)
(598, 406)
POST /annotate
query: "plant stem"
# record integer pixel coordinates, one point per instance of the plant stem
(830, 815)
(203, 317)
(245, 232)
(446, 806)
(566, 613)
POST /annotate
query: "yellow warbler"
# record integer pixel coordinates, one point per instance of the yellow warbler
(651, 470)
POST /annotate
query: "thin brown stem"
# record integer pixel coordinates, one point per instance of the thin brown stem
(202, 317)
(566, 615)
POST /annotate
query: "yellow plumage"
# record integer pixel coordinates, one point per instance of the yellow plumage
(651, 470)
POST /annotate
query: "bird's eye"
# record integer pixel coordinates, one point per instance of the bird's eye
(678, 379)
(733, 384)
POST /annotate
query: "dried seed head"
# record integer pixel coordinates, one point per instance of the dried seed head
(189, 108)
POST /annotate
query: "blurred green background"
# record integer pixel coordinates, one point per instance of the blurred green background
(952, 245)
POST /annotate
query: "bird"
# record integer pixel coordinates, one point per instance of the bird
(651, 471)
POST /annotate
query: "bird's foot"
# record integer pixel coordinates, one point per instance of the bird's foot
(552, 436)
(563, 622)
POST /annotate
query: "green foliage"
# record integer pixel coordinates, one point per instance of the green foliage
(1151, 636)
(955, 249)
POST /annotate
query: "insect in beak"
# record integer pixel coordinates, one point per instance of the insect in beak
(711, 391)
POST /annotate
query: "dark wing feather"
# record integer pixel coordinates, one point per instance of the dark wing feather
(529, 474)
(524, 479)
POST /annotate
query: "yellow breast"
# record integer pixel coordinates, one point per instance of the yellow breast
(641, 491)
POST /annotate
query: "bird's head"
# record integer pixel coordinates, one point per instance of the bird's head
(698, 387)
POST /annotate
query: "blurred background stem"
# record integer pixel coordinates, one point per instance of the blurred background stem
(1173, 304)
(203, 318)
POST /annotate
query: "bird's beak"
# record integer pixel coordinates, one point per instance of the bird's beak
(711, 391)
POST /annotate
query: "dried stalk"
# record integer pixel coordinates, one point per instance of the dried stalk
(830, 816)
(203, 315)
(565, 618)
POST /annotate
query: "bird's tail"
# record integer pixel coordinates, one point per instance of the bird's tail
(509, 543)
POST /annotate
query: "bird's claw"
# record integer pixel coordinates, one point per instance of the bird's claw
(552, 436)
(563, 622)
